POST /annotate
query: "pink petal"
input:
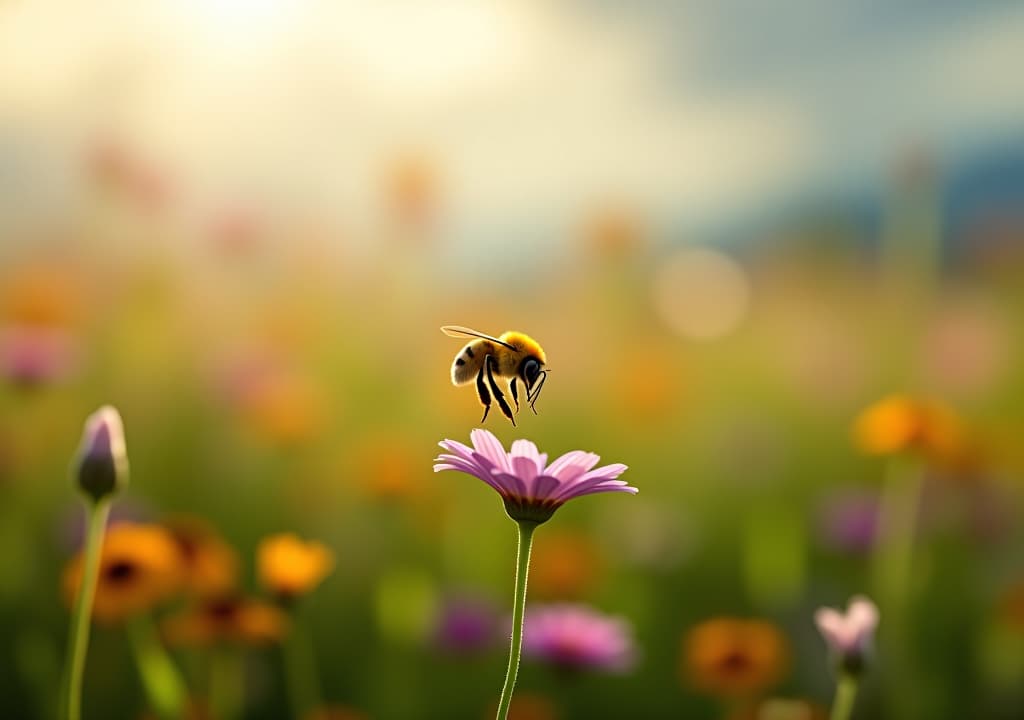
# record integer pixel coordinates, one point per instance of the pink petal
(862, 616)
(525, 468)
(833, 626)
(458, 448)
(611, 486)
(572, 465)
(544, 487)
(491, 448)
(511, 484)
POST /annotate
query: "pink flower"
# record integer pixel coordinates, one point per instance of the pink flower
(577, 637)
(849, 636)
(531, 489)
(31, 356)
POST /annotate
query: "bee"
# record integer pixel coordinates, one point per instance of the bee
(513, 356)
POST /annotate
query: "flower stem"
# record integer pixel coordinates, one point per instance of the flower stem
(300, 669)
(846, 693)
(526, 529)
(897, 525)
(164, 687)
(81, 619)
(227, 683)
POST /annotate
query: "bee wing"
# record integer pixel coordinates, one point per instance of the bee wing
(460, 331)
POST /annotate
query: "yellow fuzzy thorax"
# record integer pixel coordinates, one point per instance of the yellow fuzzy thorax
(524, 344)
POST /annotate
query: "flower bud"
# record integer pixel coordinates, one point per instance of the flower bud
(101, 468)
(849, 636)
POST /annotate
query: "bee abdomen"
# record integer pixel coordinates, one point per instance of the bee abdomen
(467, 363)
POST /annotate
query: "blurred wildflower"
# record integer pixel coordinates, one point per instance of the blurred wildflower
(1011, 606)
(565, 567)
(41, 297)
(411, 189)
(280, 404)
(734, 657)
(229, 619)
(531, 489)
(32, 355)
(966, 348)
(386, 467)
(612, 233)
(651, 398)
(289, 567)
(139, 567)
(576, 637)
(850, 635)
(848, 519)
(781, 709)
(336, 712)
(528, 706)
(210, 564)
(900, 423)
(466, 625)
(102, 462)
(700, 294)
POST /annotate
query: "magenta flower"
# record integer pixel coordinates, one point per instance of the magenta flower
(531, 489)
(466, 625)
(850, 635)
(576, 637)
(32, 356)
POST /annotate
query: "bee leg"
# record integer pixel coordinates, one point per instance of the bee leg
(496, 391)
(536, 392)
(515, 393)
(483, 394)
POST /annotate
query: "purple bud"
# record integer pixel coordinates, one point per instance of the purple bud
(102, 465)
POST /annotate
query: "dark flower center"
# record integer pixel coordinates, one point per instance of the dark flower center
(223, 610)
(121, 571)
(735, 662)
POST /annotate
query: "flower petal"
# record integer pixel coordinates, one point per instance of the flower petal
(571, 465)
(491, 448)
(512, 484)
(525, 468)
(544, 487)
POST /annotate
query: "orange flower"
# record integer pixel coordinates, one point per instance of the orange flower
(210, 564)
(900, 423)
(566, 566)
(734, 657)
(226, 619)
(139, 567)
(289, 567)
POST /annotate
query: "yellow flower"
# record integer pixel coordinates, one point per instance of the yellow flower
(735, 658)
(227, 619)
(210, 564)
(139, 567)
(289, 567)
(900, 423)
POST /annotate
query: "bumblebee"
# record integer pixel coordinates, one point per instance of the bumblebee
(513, 357)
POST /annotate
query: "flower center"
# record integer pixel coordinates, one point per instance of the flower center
(735, 662)
(121, 572)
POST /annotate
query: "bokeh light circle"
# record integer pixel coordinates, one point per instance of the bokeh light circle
(701, 294)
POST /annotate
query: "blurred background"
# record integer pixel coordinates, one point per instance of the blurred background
(732, 226)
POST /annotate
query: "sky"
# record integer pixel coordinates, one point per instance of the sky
(532, 111)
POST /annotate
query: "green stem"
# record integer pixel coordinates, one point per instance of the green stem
(81, 619)
(164, 687)
(846, 693)
(897, 520)
(526, 529)
(227, 684)
(300, 669)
